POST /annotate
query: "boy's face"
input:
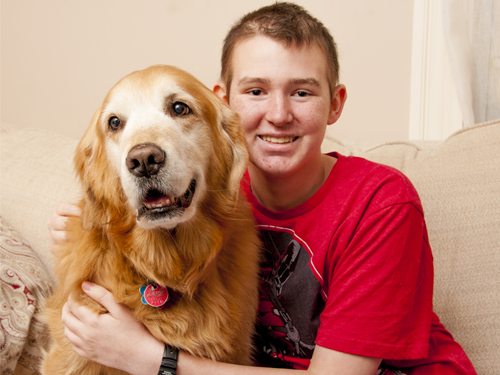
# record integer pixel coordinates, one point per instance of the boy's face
(283, 98)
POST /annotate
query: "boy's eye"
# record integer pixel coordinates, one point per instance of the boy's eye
(255, 92)
(302, 94)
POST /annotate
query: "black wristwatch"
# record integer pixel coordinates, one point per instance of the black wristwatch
(169, 361)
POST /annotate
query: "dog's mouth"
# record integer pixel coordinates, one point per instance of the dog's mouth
(157, 205)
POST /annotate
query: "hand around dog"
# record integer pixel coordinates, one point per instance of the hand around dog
(57, 223)
(114, 339)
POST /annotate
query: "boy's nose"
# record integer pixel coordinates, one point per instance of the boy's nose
(279, 111)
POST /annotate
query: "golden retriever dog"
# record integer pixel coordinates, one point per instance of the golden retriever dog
(160, 167)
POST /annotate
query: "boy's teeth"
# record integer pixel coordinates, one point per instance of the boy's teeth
(277, 140)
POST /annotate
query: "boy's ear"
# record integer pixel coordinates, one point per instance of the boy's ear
(221, 92)
(338, 101)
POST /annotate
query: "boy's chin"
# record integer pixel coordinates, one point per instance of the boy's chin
(276, 167)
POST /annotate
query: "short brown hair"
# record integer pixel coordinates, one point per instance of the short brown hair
(286, 23)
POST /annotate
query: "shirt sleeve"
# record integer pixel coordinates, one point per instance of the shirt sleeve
(380, 290)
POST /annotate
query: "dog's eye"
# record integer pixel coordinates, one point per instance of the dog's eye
(114, 123)
(181, 109)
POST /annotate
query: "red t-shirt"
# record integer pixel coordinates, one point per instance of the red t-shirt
(351, 270)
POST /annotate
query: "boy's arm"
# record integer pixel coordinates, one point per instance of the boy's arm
(118, 340)
(324, 361)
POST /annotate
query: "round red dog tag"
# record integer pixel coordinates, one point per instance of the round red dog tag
(154, 295)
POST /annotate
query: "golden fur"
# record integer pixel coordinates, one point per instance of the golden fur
(207, 257)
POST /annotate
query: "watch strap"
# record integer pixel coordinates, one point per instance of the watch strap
(169, 361)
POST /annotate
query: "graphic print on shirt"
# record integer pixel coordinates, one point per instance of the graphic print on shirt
(290, 301)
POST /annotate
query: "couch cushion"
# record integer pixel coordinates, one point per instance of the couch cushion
(458, 181)
(24, 281)
(37, 173)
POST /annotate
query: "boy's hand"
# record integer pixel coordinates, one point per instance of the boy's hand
(57, 223)
(114, 339)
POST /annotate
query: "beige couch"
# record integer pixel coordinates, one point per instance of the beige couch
(458, 181)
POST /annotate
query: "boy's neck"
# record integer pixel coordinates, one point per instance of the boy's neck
(279, 193)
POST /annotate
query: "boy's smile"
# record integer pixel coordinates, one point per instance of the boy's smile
(277, 140)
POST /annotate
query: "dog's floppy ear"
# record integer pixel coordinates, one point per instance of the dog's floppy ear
(88, 167)
(232, 129)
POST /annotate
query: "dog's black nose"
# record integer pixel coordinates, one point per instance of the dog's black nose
(145, 160)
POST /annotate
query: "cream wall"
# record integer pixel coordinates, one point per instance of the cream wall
(60, 57)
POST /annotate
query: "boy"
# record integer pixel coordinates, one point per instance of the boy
(346, 286)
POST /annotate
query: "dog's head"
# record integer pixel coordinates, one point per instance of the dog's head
(161, 144)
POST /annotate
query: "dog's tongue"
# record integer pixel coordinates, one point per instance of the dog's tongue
(163, 200)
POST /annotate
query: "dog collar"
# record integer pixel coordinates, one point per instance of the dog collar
(154, 295)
